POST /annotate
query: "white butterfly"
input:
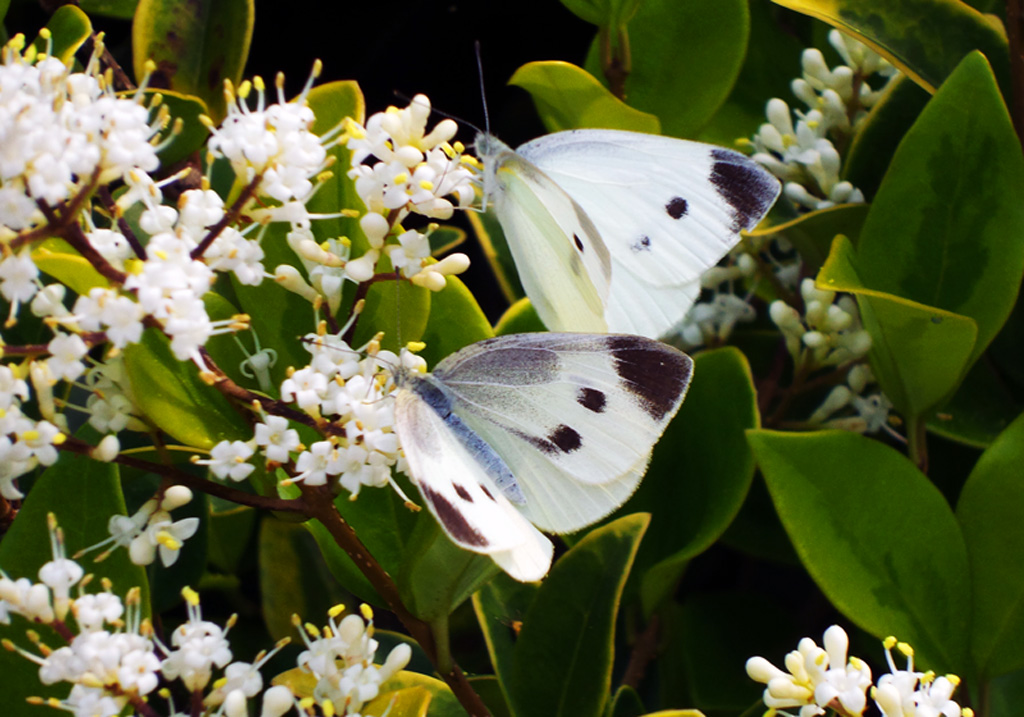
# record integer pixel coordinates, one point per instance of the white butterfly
(611, 230)
(546, 430)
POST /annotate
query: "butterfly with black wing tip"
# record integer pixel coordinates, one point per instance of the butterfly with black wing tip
(611, 230)
(526, 431)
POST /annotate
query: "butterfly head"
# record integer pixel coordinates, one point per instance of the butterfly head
(490, 150)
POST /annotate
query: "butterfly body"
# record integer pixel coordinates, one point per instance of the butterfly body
(663, 210)
(546, 430)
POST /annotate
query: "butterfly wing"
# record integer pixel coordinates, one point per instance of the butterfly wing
(667, 209)
(562, 263)
(574, 415)
(458, 476)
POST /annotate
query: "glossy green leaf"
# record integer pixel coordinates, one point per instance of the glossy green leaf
(122, 9)
(69, 28)
(416, 696)
(880, 133)
(230, 534)
(625, 703)
(193, 132)
(455, 320)
(926, 39)
(492, 242)
(569, 97)
(991, 514)
(563, 659)
(812, 233)
(699, 474)
(56, 258)
(83, 494)
(919, 354)
(876, 536)
(685, 59)
(174, 398)
(980, 410)
(944, 228)
(194, 51)
(501, 606)
(437, 575)
(383, 524)
(1005, 694)
(520, 318)
(291, 579)
(332, 102)
(397, 308)
(603, 12)
(489, 690)
(772, 61)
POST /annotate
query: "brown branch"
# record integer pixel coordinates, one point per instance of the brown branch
(230, 216)
(645, 649)
(122, 224)
(320, 505)
(179, 477)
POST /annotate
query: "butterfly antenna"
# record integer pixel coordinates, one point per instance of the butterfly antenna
(483, 93)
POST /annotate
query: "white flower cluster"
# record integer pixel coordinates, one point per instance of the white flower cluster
(24, 443)
(851, 408)
(816, 679)
(712, 321)
(350, 392)
(341, 655)
(837, 100)
(61, 130)
(414, 173)
(151, 530)
(114, 658)
(828, 334)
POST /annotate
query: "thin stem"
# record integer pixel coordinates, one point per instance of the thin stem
(230, 217)
(644, 651)
(917, 445)
(439, 629)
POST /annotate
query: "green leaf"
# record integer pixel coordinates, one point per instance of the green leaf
(194, 51)
(69, 28)
(397, 308)
(520, 318)
(83, 494)
(919, 354)
(991, 514)
(569, 97)
(174, 398)
(944, 228)
(193, 132)
(563, 660)
(500, 606)
(437, 575)
(168, 581)
(926, 39)
(980, 409)
(291, 579)
(122, 9)
(812, 233)
(384, 525)
(880, 133)
(455, 320)
(492, 242)
(56, 258)
(625, 703)
(685, 58)
(603, 12)
(489, 689)
(332, 102)
(700, 472)
(876, 536)
(230, 532)
(416, 696)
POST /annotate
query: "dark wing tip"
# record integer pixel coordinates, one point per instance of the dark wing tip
(656, 374)
(746, 186)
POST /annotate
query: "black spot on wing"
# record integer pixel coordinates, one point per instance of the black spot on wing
(566, 438)
(592, 399)
(463, 493)
(744, 185)
(452, 519)
(642, 244)
(579, 242)
(488, 493)
(677, 207)
(656, 375)
(563, 439)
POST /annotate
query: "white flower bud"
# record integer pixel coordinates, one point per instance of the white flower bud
(235, 704)
(277, 701)
(289, 277)
(815, 339)
(107, 449)
(175, 497)
(451, 264)
(376, 228)
(361, 269)
(836, 399)
(761, 670)
(784, 316)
